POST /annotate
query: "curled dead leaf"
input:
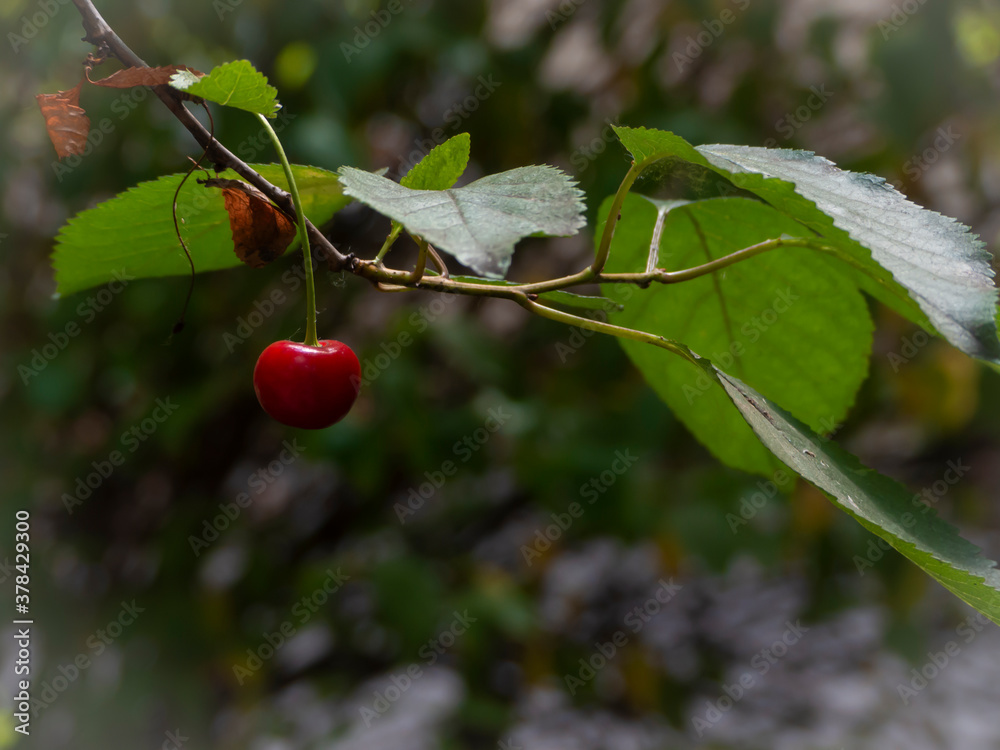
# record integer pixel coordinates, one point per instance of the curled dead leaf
(129, 77)
(261, 233)
(66, 122)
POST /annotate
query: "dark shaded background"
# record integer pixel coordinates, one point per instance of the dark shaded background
(905, 90)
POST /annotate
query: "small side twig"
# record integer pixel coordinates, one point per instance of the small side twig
(418, 270)
(438, 262)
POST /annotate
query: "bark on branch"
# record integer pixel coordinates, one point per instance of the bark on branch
(102, 36)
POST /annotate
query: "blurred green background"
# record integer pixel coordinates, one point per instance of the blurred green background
(320, 615)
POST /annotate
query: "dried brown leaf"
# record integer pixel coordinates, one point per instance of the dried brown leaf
(261, 233)
(129, 77)
(65, 120)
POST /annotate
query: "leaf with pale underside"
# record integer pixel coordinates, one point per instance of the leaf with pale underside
(480, 223)
(438, 170)
(881, 505)
(926, 266)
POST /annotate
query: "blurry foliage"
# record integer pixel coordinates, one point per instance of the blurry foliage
(561, 81)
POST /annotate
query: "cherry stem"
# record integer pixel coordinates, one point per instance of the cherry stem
(311, 338)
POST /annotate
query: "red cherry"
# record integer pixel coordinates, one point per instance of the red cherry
(310, 387)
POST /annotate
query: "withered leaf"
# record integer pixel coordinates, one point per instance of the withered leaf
(129, 77)
(261, 233)
(65, 120)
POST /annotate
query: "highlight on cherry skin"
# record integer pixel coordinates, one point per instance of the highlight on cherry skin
(309, 387)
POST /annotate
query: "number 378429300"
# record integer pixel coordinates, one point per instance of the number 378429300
(22, 562)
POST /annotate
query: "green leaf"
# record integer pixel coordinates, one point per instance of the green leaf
(480, 223)
(234, 84)
(780, 321)
(878, 503)
(442, 167)
(926, 266)
(133, 233)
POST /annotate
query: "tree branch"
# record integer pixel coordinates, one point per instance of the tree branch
(102, 36)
